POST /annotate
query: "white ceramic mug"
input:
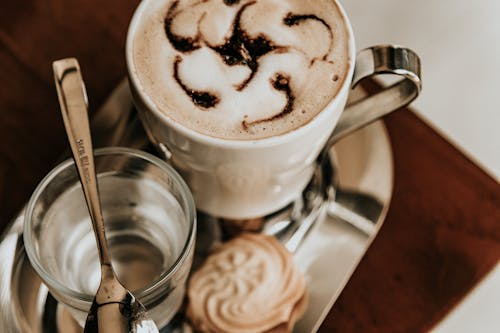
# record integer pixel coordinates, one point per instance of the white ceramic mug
(242, 179)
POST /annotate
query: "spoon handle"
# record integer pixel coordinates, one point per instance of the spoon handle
(74, 108)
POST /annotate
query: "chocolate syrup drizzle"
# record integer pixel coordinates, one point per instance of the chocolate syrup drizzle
(280, 82)
(231, 2)
(238, 49)
(202, 99)
(241, 49)
(180, 43)
(292, 19)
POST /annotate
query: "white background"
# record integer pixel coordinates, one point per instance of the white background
(459, 44)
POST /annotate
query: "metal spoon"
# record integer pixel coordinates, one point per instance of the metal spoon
(114, 308)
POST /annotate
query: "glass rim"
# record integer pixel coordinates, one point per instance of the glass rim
(186, 197)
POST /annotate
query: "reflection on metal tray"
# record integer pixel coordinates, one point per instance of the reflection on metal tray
(328, 256)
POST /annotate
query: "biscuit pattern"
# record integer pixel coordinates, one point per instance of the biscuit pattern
(250, 284)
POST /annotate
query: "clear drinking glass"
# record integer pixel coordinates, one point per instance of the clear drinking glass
(150, 222)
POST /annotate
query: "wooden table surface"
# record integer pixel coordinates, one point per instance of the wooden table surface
(442, 233)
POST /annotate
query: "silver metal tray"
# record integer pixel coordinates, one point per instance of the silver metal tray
(328, 256)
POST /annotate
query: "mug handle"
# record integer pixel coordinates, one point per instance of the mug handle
(370, 62)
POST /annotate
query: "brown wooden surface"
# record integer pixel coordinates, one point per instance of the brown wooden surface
(442, 233)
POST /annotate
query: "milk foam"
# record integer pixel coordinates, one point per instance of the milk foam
(239, 69)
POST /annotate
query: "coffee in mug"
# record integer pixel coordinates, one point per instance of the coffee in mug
(241, 70)
(243, 95)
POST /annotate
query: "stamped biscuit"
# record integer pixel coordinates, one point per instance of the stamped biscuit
(248, 285)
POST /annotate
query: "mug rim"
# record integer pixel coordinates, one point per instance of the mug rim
(143, 292)
(227, 142)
